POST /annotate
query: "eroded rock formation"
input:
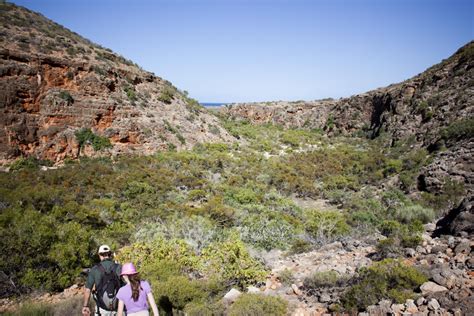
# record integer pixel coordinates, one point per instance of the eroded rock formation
(54, 82)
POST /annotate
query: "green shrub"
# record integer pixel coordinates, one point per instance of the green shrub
(204, 309)
(462, 129)
(408, 214)
(179, 291)
(258, 305)
(325, 225)
(243, 195)
(161, 258)
(267, 233)
(393, 166)
(85, 135)
(29, 163)
(231, 262)
(68, 306)
(32, 309)
(324, 279)
(166, 95)
(286, 277)
(66, 96)
(131, 94)
(399, 236)
(329, 123)
(299, 246)
(388, 279)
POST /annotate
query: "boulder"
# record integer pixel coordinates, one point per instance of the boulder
(397, 308)
(433, 305)
(253, 289)
(459, 219)
(324, 298)
(410, 306)
(296, 289)
(431, 287)
(232, 295)
(463, 247)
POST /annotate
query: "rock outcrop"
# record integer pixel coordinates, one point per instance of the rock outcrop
(459, 221)
(433, 110)
(53, 82)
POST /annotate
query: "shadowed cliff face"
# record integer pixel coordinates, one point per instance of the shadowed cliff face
(54, 82)
(433, 110)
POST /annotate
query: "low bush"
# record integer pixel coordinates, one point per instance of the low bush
(166, 95)
(324, 279)
(204, 309)
(323, 226)
(267, 233)
(66, 96)
(398, 236)
(299, 246)
(177, 291)
(258, 305)
(29, 163)
(286, 277)
(231, 262)
(32, 309)
(131, 94)
(388, 279)
(462, 129)
(408, 214)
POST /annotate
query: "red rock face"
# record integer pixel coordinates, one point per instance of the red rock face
(61, 82)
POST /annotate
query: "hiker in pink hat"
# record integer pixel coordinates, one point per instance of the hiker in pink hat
(134, 294)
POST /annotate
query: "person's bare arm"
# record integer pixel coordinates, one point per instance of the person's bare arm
(85, 306)
(120, 308)
(152, 302)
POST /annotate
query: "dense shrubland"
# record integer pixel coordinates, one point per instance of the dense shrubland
(189, 218)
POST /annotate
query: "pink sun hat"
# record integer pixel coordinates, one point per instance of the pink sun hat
(128, 269)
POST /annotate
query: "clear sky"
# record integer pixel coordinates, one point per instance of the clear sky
(260, 50)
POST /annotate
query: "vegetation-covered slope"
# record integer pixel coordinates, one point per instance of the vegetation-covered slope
(190, 213)
(433, 110)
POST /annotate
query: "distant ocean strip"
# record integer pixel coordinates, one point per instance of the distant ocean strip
(213, 104)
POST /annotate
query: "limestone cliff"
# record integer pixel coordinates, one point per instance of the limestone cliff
(54, 82)
(434, 110)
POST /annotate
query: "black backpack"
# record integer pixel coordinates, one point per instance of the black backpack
(106, 290)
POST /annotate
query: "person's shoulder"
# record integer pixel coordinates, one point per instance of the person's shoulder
(123, 292)
(145, 285)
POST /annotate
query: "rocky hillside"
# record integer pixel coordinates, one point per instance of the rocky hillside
(433, 110)
(53, 83)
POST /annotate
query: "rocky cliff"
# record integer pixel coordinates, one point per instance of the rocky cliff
(433, 110)
(54, 82)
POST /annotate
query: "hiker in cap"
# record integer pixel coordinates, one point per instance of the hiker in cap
(135, 293)
(103, 282)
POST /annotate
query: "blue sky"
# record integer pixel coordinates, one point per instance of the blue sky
(260, 50)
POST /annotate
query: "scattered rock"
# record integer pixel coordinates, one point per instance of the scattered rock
(410, 306)
(253, 289)
(397, 308)
(324, 298)
(431, 287)
(410, 252)
(463, 247)
(232, 295)
(430, 227)
(296, 289)
(460, 219)
(433, 305)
